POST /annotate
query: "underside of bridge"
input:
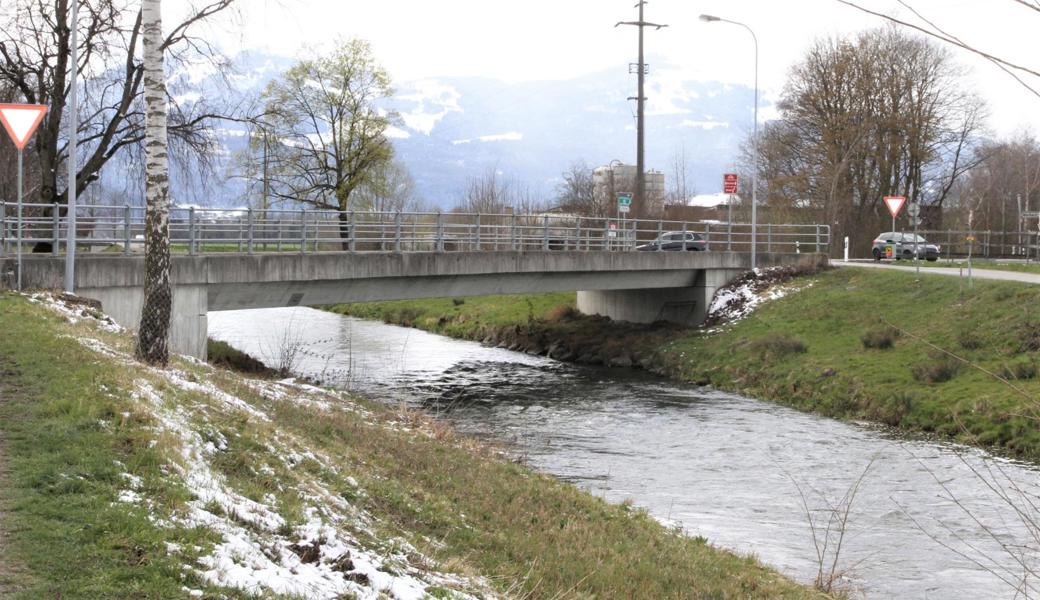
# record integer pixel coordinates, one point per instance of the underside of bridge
(639, 287)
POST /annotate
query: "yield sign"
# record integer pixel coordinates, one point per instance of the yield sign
(895, 204)
(21, 120)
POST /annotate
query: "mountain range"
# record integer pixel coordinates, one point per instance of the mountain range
(453, 129)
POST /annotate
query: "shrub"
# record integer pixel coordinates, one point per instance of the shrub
(893, 409)
(936, 370)
(458, 301)
(968, 340)
(563, 312)
(881, 338)
(777, 345)
(1029, 337)
(1023, 369)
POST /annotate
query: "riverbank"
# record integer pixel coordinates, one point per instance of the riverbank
(924, 356)
(198, 482)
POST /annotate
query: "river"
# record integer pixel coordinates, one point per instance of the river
(927, 520)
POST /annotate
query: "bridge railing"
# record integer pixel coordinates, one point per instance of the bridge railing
(196, 230)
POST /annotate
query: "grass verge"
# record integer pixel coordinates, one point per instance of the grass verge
(85, 425)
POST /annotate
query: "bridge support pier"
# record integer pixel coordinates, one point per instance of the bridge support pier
(683, 305)
(188, 324)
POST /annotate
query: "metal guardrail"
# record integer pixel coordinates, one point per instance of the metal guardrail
(985, 244)
(213, 230)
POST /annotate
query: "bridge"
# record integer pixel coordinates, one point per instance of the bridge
(223, 263)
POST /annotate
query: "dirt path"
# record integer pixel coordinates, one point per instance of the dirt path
(8, 570)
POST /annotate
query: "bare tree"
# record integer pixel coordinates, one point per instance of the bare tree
(390, 189)
(577, 192)
(487, 194)
(841, 145)
(153, 342)
(679, 191)
(34, 52)
(331, 135)
(1025, 76)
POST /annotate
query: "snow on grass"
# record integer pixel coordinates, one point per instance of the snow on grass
(259, 551)
(74, 309)
(740, 298)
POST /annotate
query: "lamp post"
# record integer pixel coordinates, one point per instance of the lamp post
(754, 140)
(73, 112)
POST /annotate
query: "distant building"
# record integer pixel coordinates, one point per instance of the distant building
(610, 180)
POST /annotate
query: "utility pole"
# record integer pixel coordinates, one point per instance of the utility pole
(641, 70)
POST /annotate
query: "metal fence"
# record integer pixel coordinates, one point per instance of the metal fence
(985, 244)
(212, 230)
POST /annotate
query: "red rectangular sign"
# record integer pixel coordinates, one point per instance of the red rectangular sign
(729, 183)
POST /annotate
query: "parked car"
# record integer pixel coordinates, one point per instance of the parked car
(673, 241)
(903, 246)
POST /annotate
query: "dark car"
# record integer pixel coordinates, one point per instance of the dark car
(675, 241)
(903, 246)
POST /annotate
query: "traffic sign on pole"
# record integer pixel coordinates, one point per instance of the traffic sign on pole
(21, 120)
(624, 198)
(894, 204)
(729, 183)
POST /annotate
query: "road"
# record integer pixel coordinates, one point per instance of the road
(949, 272)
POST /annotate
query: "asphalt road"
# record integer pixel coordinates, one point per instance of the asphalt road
(949, 272)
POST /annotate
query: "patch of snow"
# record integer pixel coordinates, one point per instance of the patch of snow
(739, 299)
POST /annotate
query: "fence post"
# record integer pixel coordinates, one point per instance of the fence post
(440, 231)
(191, 231)
(577, 235)
(351, 232)
(478, 232)
(729, 235)
(3, 228)
(660, 232)
(397, 231)
(127, 228)
(250, 230)
(769, 237)
(513, 232)
(684, 235)
(545, 232)
(56, 229)
(707, 236)
(817, 239)
(303, 231)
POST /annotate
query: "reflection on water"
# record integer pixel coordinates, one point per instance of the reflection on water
(720, 465)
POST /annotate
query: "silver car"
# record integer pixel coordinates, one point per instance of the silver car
(902, 245)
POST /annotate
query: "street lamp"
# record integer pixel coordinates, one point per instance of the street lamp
(754, 140)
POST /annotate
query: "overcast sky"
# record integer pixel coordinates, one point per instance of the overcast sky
(558, 39)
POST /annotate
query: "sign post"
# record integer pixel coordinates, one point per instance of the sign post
(20, 121)
(913, 210)
(624, 204)
(894, 204)
(729, 187)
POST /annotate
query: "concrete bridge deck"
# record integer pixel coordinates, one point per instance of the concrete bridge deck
(631, 286)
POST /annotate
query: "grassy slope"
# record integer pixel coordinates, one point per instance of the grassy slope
(997, 327)
(474, 513)
(70, 433)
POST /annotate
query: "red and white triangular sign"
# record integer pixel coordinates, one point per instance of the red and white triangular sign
(895, 204)
(21, 120)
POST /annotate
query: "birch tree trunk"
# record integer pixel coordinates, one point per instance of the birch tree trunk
(153, 342)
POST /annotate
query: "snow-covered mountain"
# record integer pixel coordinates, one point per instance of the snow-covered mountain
(453, 129)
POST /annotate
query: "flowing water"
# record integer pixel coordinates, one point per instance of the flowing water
(927, 520)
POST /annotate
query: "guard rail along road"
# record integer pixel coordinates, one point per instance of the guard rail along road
(226, 259)
(207, 230)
